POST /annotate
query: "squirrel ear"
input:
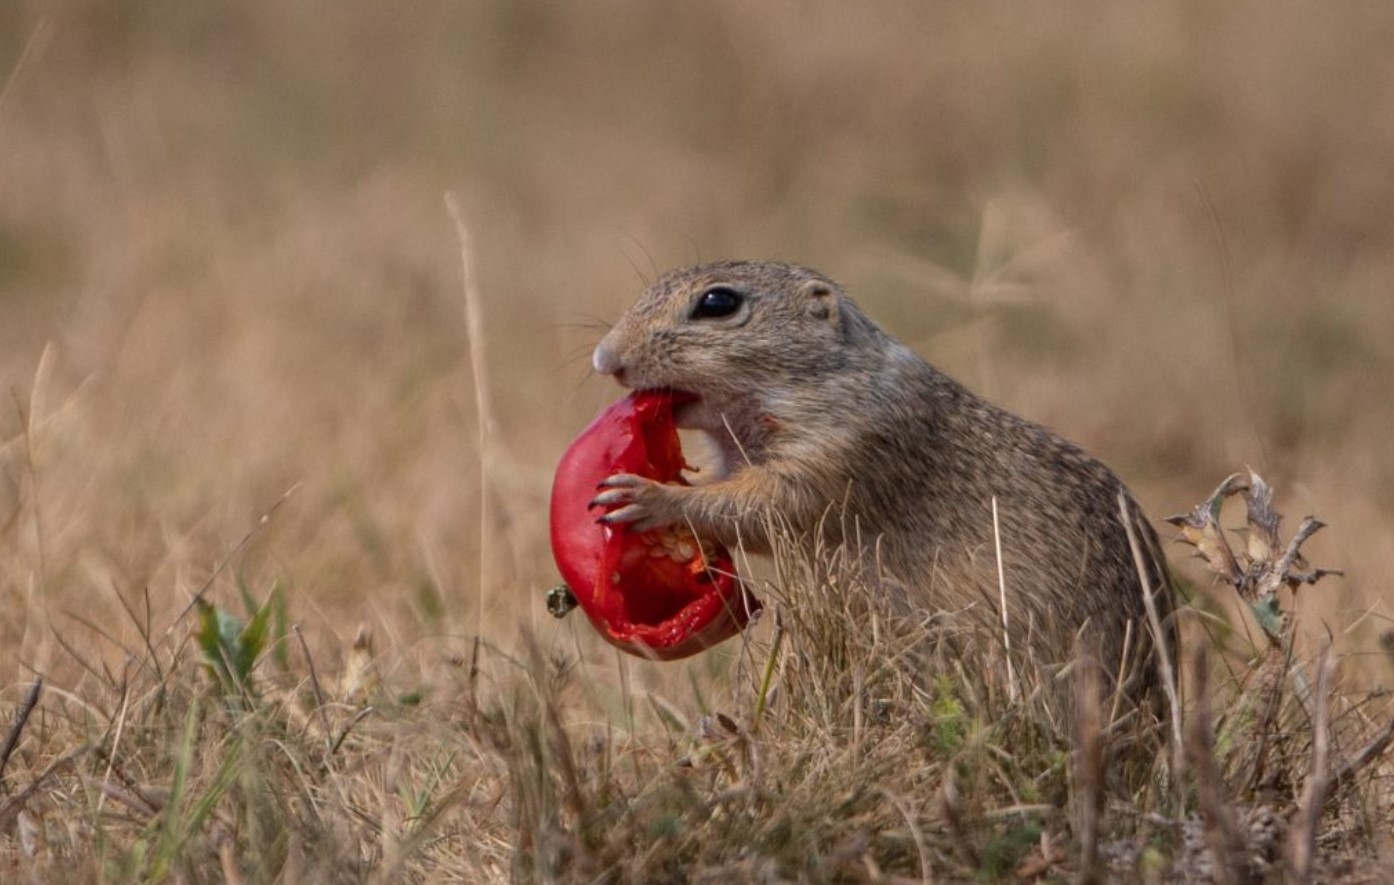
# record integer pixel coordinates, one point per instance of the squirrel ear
(821, 302)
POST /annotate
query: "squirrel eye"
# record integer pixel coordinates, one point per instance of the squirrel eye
(717, 302)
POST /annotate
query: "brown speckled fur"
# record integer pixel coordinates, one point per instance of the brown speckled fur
(818, 411)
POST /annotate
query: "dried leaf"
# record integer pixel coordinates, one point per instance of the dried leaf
(1312, 576)
(1201, 529)
(360, 678)
(1212, 547)
(1263, 520)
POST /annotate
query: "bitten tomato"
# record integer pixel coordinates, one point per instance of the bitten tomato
(663, 593)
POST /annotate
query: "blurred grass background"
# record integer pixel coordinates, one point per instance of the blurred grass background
(226, 266)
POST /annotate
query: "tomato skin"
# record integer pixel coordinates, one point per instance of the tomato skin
(658, 594)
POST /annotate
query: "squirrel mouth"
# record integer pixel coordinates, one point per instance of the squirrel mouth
(685, 403)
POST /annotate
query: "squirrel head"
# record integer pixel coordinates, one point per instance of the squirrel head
(737, 334)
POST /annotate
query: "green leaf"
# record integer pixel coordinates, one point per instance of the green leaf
(250, 642)
(217, 636)
(280, 628)
(1269, 616)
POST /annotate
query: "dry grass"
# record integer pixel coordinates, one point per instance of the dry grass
(227, 270)
(854, 745)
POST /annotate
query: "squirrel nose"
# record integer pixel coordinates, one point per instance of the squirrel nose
(605, 360)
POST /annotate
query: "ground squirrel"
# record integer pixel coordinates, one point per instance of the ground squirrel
(817, 410)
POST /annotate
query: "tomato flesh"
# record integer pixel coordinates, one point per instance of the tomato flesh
(664, 593)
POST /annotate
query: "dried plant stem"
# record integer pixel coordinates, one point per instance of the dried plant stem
(314, 683)
(1302, 835)
(38, 38)
(31, 700)
(1237, 358)
(344, 732)
(484, 409)
(767, 678)
(1270, 681)
(1002, 596)
(1124, 672)
(1088, 767)
(948, 804)
(1228, 849)
(226, 560)
(12, 806)
(38, 396)
(1367, 754)
(1159, 644)
(916, 834)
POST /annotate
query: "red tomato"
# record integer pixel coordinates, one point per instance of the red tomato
(664, 593)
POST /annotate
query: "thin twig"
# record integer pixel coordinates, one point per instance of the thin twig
(226, 560)
(1088, 766)
(12, 807)
(31, 46)
(103, 633)
(1271, 680)
(1367, 754)
(1124, 673)
(1002, 595)
(472, 697)
(72, 652)
(142, 627)
(1228, 850)
(135, 796)
(1302, 835)
(1236, 341)
(1159, 643)
(26, 707)
(484, 410)
(117, 728)
(314, 684)
(357, 718)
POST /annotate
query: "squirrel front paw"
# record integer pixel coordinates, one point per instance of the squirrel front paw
(636, 500)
